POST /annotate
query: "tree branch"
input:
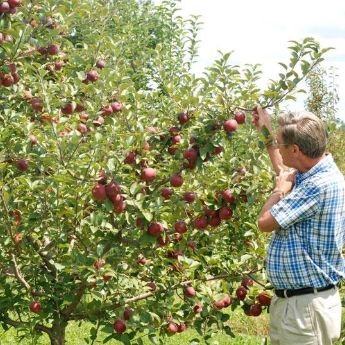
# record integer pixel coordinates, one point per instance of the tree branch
(22, 280)
(44, 257)
(71, 307)
(18, 324)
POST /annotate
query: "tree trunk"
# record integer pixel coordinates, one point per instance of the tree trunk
(58, 332)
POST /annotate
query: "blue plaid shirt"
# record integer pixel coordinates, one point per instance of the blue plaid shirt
(306, 251)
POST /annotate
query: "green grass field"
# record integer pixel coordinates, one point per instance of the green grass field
(248, 331)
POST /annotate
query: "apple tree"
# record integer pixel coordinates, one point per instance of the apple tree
(129, 186)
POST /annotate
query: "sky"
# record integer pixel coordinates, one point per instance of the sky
(259, 31)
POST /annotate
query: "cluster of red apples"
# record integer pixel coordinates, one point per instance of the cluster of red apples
(9, 6)
(263, 299)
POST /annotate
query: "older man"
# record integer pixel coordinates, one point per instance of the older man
(306, 213)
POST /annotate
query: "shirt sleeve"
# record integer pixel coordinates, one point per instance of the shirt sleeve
(300, 204)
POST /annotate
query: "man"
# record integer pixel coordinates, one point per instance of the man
(306, 213)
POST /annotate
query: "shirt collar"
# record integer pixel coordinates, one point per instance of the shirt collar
(320, 166)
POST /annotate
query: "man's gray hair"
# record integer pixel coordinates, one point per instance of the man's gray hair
(305, 130)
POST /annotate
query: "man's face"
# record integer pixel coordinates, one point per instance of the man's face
(286, 151)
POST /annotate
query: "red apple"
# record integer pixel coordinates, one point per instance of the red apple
(162, 242)
(17, 238)
(240, 116)
(264, 298)
(7, 80)
(22, 164)
(127, 314)
(37, 104)
(172, 328)
(8, 38)
(228, 196)
(15, 77)
(33, 140)
(112, 189)
(227, 301)
(180, 227)
(242, 171)
(92, 75)
(247, 282)
(200, 223)
(120, 326)
(99, 193)
(219, 304)
(79, 108)
(190, 154)
(4, 7)
(99, 121)
(67, 109)
(107, 110)
(176, 139)
(120, 207)
(230, 125)
(189, 292)
(82, 128)
(241, 293)
(142, 260)
(225, 213)
(152, 286)
(35, 307)
(166, 193)
(181, 327)
(130, 158)
(83, 117)
(189, 197)
(14, 3)
(152, 130)
(214, 221)
(53, 49)
(102, 177)
(172, 150)
(176, 180)
(42, 50)
(99, 263)
(197, 308)
(148, 174)
(174, 130)
(116, 107)
(100, 63)
(255, 309)
(58, 65)
(218, 149)
(183, 117)
(192, 245)
(155, 229)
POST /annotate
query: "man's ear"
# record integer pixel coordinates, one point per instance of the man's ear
(296, 148)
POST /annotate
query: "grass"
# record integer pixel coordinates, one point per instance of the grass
(248, 331)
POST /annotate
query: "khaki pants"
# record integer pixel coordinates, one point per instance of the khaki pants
(312, 319)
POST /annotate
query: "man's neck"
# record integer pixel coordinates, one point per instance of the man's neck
(307, 163)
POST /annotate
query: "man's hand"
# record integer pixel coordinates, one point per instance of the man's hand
(261, 119)
(285, 180)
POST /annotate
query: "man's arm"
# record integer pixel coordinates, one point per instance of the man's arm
(266, 222)
(261, 119)
(284, 183)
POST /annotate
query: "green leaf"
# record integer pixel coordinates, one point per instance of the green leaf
(147, 214)
(265, 132)
(154, 339)
(58, 266)
(194, 341)
(229, 332)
